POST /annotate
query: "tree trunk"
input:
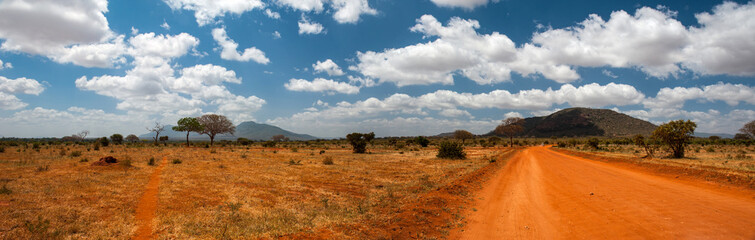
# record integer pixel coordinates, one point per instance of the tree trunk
(187, 138)
(511, 141)
(212, 139)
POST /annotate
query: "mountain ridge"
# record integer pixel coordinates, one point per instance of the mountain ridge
(249, 130)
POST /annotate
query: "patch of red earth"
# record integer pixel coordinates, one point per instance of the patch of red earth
(145, 210)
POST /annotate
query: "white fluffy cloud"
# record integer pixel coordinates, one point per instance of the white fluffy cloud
(723, 44)
(73, 31)
(674, 98)
(321, 85)
(650, 40)
(459, 48)
(346, 11)
(467, 4)
(152, 86)
(451, 104)
(307, 27)
(10, 87)
(271, 14)
(207, 11)
(59, 123)
(328, 66)
(5, 65)
(349, 11)
(711, 121)
(229, 46)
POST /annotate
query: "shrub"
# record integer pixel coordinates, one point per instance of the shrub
(268, 144)
(84, 160)
(5, 190)
(327, 161)
(177, 161)
(76, 154)
(451, 150)
(126, 162)
(322, 151)
(151, 161)
(104, 141)
(2, 149)
(422, 141)
(594, 143)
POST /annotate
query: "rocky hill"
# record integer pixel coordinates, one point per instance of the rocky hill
(580, 122)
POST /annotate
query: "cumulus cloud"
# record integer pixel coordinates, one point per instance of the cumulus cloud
(329, 67)
(451, 104)
(349, 11)
(650, 40)
(711, 121)
(459, 48)
(207, 11)
(153, 87)
(321, 85)
(276, 35)
(65, 31)
(723, 44)
(5, 65)
(271, 14)
(345, 11)
(674, 98)
(307, 27)
(10, 87)
(165, 26)
(229, 46)
(466, 4)
(59, 123)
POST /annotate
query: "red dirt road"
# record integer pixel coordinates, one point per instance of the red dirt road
(542, 194)
(145, 211)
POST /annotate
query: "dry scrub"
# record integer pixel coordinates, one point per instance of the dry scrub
(222, 192)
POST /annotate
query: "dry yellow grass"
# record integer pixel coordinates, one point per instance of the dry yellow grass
(220, 192)
(727, 159)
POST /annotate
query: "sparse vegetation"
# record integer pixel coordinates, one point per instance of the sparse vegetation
(451, 150)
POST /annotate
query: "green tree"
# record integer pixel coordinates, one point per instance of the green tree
(188, 125)
(510, 128)
(451, 150)
(104, 142)
(359, 141)
(422, 141)
(649, 144)
(132, 138)
(116, 138)
(215, 124)
(463, 135)
(676, 135)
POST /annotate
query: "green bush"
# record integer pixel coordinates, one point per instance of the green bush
(151, 161)
(76, 154)
(451, 150)
(594, 143)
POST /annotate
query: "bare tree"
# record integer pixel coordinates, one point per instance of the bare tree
(157, 129)
(279, 137)
(749, 129)
(463, 135)
(83, 134)
(215, 124)
(510, 128)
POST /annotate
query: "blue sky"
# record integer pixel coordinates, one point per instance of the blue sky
(398, 68)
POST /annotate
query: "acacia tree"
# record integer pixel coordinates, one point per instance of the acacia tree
(132, 138)
(749, 129)
(675, 134)
(83, 134)
(359, 141)
(215, 124)
(510, 127)
(463, 135)
(157, 129)
(188, 125)
(649, 144)
(116, 138)
(279, 138)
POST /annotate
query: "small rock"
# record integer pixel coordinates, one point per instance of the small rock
(592, 193)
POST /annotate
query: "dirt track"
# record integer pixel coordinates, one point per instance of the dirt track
(542, 194)
(145, 211)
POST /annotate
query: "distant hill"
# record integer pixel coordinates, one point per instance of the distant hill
(249, 130)
(581, 122)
